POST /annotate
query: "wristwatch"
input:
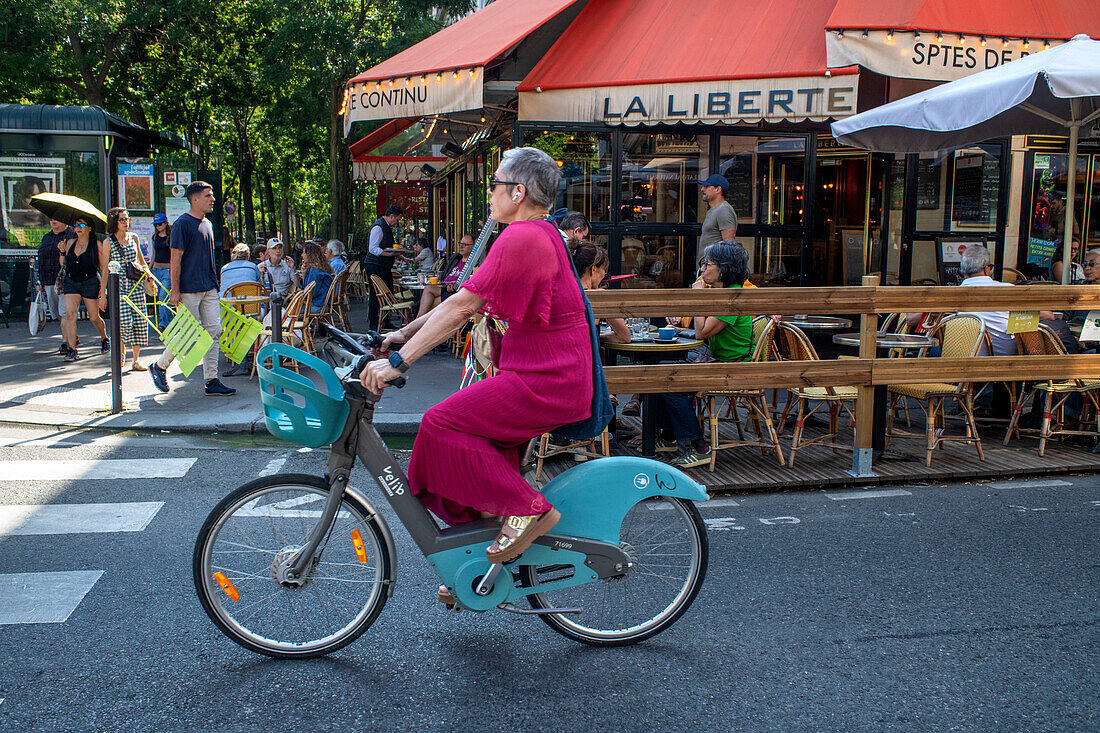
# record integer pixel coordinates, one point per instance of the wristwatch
(397, 362)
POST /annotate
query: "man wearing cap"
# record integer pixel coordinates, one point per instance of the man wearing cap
(275, 272)
(720, 223)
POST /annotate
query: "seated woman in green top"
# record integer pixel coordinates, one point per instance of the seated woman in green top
(728, 338)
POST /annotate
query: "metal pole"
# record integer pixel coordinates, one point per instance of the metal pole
(276, 318)
(1071, 194)
(114, 310)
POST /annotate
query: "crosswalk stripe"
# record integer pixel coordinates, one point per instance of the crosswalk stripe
(43, 598)
(37, 519)
(112, 468)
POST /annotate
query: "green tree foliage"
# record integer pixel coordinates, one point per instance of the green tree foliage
(258, 83)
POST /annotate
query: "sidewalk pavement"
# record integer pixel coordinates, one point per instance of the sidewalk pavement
(37, 387)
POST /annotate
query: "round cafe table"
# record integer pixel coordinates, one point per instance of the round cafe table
(818, 323)
(651, 351)
(884, 341)
(238, 302)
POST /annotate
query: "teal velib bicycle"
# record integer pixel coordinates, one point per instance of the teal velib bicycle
(292, 565)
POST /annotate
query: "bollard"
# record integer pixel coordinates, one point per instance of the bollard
(862, 453)
(276, 318)
(114, 311)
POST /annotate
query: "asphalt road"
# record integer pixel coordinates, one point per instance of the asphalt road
(911, 608)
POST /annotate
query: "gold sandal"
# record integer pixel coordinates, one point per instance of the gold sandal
(518, 533)
(444, 596)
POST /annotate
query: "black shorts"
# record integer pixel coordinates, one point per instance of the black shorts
(87, 289)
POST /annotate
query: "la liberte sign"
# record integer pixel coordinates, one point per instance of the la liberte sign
(726, 101)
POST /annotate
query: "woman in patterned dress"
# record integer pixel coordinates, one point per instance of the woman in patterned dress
(124, 248)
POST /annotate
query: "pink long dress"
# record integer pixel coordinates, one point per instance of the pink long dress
(466, 456)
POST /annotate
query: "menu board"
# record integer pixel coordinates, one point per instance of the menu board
(928, 184)
(967, 204)
(948, 256)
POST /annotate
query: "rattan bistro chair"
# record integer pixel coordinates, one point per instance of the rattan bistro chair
(389, 304)
(960, 336)
(753, 400)
(836, 399)
(294, 325)
(252, 310)
(1045, 342)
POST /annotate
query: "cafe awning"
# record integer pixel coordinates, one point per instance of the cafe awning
(686, 61)
(446, 72)
(943, 40)
(394, 152)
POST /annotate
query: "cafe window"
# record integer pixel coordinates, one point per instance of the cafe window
(656, 261)
(25, 175)
(958, 190)
(737, 161)
(775, 260)
(1046, 219)
(897, 221)
(585, 160)
(660, 177)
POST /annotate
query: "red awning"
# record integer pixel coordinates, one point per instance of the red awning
(364, 145)
(617, 43)
(1056, 19)
(471, 42)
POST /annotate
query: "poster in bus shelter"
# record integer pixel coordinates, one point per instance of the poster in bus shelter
(22, 177)
(135, 186)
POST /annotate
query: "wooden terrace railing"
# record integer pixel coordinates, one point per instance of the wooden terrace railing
(864, 372)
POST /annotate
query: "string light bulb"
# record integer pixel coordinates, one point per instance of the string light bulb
(423, 79)
(916, 35)
(391, 82)
(439, 77)
(407, 80)
(982, 41)
(1026, 44)
(840, 33)
(962, 39)
(1046, 45)
(472, 72)
(890, 35)
(1004, 42)
(454, 74)
(939, 37)
(864, 33)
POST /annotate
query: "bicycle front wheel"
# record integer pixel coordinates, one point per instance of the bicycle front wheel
(254, 530)
(666, 541)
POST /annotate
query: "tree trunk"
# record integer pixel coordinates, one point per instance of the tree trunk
(245, 166)
(270, 204)
(284, 218)
(263, 209)
(339, 164)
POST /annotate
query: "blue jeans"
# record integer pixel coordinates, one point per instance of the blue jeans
(164, 313)
(674, 411)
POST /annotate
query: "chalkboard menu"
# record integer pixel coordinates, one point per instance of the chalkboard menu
(928, 184)
(967, 205)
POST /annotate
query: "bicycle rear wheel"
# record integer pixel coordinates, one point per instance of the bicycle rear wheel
(261, 524)
(667, 542)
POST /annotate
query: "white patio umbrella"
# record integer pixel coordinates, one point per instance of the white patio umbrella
(1049, 92)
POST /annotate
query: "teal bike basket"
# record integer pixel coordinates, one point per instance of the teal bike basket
(294, 408)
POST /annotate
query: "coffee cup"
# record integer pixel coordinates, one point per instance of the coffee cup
(433, 280)
(666, 333)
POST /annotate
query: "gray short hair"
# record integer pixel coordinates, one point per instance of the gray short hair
(536, 170)
(336, 247)
(975, 258)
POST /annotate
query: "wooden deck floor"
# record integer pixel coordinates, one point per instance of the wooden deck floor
(747, 469)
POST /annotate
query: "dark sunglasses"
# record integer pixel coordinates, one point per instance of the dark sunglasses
(80, 225)
(493, 183)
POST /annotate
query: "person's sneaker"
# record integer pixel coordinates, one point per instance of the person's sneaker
(70, 354)
(666, 446)
(693, 458)
(215, 387)
(104, 345)
(160, 377)
(64, 349)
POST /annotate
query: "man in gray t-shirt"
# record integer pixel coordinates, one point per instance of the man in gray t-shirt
(721, 220)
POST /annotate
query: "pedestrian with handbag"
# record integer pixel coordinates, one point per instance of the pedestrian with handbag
(162, 259)
(84, 272)
(49, 265)
(125, 250)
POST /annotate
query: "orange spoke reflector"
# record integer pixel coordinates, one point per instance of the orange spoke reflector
(227, 586)
(360, 548)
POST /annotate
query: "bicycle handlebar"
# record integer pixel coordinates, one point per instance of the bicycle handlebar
(354, 353)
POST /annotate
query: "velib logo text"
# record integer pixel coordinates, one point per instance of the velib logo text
(390, 483)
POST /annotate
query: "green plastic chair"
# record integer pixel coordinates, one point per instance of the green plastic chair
(239, 333)
(186, 339)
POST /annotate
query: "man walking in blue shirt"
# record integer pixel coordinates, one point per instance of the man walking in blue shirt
(194, 279)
